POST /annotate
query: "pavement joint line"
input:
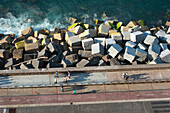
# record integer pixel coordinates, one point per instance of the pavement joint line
(84, 103)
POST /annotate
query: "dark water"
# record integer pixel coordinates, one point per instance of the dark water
(16, 15)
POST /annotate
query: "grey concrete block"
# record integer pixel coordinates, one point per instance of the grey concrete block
(103, 30)
(102, 63)
(73, 58)
(165, 55)
(9, 62)
(153, 51)
(78, 29)
(88, 33)
(32, 47)
(66, 63)
(43, 53)
(115, 35)
(82, 63)
(24, 66)
(30, 56)
(142, 46)
(160, 33)
(27, 32)
(100, 41)
(167, 38)
(86, 43)
(5, 40)
(114, 50)
(150, 40)
(18, 53)
(54, 59)
(141, 55)
(69, 34)
(163, 46)
(54, 65)
(97, 49)
(114, 61)
(130, 44)
(74, 41)
(42, 36)
(84, 54)
(125, 33)
(134, 29)
(94, 61)
(5, 54)
(75, 49)
(168, 31)
(37, 63)
(137, 37)
(158, 60)
(59, 36)
(52, 48)
(129, 54)
(106, 58)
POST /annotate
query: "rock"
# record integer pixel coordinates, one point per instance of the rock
(5, 54)
(18, 53)
(84, 54)
(109, 43)
(54, 59)
(82, 63)
(54, 65)
(59, 36)
(32, 47)
(43, 53)
(78, 29)
(94, 61)
(129, 54)
(114, 50)
(9, 63)
(20, 45)
(160, 34)
(74, 41)
(52, 48)
(144, 28)
(115, 35)
(5, 40)
(31, 39)
(73, 58)
(75, 49)
(165, 55)
(153, 51)
(167, 23)
(42, 36)
(114, 61)
(103, 30)
(30, 56)
(18, 39)
(69, 34)
(158, 60)
(163, 46)
(151, 40)
(106, 58)
(141, 55)
(86, 43)
(100, 41)
(102, 63)
(89, 33)
(27, 32)
(125, 33)
(97, 49)
(24, 66)
(168, 31)
(142, 46)
(66, 63)
(37, 63)
(131, 24)
(130, 44)
(137, 37)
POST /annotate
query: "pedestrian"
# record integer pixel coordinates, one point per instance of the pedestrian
(62, 88)
(125, 76)
(65, 79)
(56, 74)
(55, 80)
(74, 92)
(69, 74)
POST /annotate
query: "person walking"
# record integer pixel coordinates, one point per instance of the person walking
(125, 76)
(55, 80)
(56, 74)
(65, 79)
(74, 92)
(62, 88)
(69, 74)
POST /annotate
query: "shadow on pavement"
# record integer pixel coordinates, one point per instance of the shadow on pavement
(4, 80)
(79, 77)
(72, 88)
(93, 91)
(139, 76)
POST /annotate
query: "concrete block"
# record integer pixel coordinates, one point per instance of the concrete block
(84, 54)
(54, 65)
(82, 63)
(62, 56)
(54, 59)
(168, 31)
(42, 36)
(109, 43)
(9, 62)
(97, 49)
(102, 63)
(137, 37)
(106, 58)
(165, 55)
(167, 38)
(74, 41)
(89, 33)
(158, 60)
(59, 36)
(130, 44)
(154, 51)
(103, 30)
(64, 45)
(144, 28)
(20, 45)
(134, 29)
(115, 35)
(5, 54)
(31, 39)
(75, 49)
(27, 32)
(78, 29)
(100, 41)
(18, 39)
(114, 61)
(24, 66)
(69, 34)
(114, 50)
(167, 23)
(142, 46)
(131, 24)
(18, 53)
(141, 55)
(43, 53)
(66, 63)
(52, 48)
(37, 63)
(32, 47)
(163, 46)
(150, 40)
(45, 41)
(146, 33)
(94, 61)
(160, 35)
(129, 54)
(86, 43)
(30, 56)
(73, 58)
(6, 40)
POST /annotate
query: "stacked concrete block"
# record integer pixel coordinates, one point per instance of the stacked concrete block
(163, 46)
(84, 54)
(141, 55)
(131, 24)
(150, 40)
(54, 59)
(66, 63)
(115, 35)
(106, 58)
(5, 54)
(168, 31)
(114, 61)
(130, 44)
(102, 63)
(74, 41)
(23, 66)
(54, 65)
(167, 38)
(88, 33)
(73, 58)
(58, 36)
(97, 49)
(125, 33)
(52, 48)
(165, 55)
(30, 56)
(160, 33)
(158, 60)
(69, 34)
(146, 33)
(37, 63)
(144, 28)
(75, 49)
(109, 43)
(31, 47)
(114, 50)
(20, 45)
(82, 63)
(27, 32)
(153, 51)
(31, 39)
(137, 37)
(142, 46)
(43, 53)
(9, 62)
(18, 53)
(45, 41)
(6, 40)
(18, 39)
(103, 30)
(94, 61)
(129, 54)
(86, 43)
(42, 36)
(78, 29)
(134, 29)
(100, 41)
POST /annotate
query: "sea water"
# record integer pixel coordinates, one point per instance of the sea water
(16, 15)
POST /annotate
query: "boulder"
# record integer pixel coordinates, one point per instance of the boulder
(129, 54)
(142, 46)
(32, 47)
(137, 37)
(52, 48)
(100, 41)
(150, 40)
(153, 51)
(114, 50)
(130, 44)
(82, 63)
(27, 32)
(86, 43)
(9, 63)
(84, 54)
(18, 53)
(103, 30)
(163, 46)
(165, 55)
(5, 40)
(74, 41)
(97, 49)
(141, 55)
(114, 61)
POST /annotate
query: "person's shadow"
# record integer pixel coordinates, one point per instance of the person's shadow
(139, 76)
(5, 80)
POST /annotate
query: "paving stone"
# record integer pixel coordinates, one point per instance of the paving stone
(30, 56)
(103, 30)
(163, 46)
(9, 62)
(158, 60)
(6, 40)
(27, 32)
(109, 43)
(90, 33)
(54, 65)
(84, 54)
(129, 54)
(97, 49)
(114, 50)
(54, 59)
(73, 58)
(153, 51)
(74, 41)
(125, 33)
(86, 43)
(141, 55)
(32, 47)
(78, 29)
(130, 44)
(37, 63)
(42, 36)
(114, 61)
(142, 46)
(69, 34)
(100, 41)
(52, 48)
(165, 55)
(82, 63)
(150, 40)
(137, 37)
(18, 53)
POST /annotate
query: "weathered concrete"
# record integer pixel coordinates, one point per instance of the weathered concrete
(114, 50)
(86, 44)
(129, 54)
